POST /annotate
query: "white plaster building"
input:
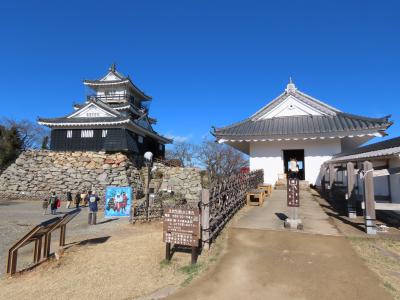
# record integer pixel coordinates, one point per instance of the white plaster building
(296, 125)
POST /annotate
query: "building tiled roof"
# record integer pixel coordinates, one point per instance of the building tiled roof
(119, 119)
(382, 149)
(64, 121)
(122, 80)
(311, 101)
(326, 122)
(340, 124)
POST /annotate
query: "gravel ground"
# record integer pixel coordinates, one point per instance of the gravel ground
(112, 260)
(18, 217)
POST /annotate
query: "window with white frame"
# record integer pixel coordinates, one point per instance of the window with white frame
(69, 134)
(86, 133)
(104, 133)
(160, 146)
(140, 139)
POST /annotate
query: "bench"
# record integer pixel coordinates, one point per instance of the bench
(266, 187)
(256, 195)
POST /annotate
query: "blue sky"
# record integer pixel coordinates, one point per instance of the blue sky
(204, 62)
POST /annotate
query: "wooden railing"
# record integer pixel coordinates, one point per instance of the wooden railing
(41, 236)
(224, 198)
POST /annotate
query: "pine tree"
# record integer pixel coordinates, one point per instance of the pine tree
(45, 142)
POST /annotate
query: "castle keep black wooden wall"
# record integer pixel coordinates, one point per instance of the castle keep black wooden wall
(117, 139)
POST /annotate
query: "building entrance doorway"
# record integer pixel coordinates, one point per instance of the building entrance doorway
(297, 154)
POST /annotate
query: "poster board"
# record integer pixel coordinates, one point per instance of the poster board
(118, 201)
(181, 226)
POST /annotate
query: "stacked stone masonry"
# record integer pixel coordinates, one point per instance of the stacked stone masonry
(36, 173)
(185, 181)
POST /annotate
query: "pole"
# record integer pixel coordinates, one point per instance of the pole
(205, 218)
(369, 198)
(168, 251)
(148, 190)
(194, 255)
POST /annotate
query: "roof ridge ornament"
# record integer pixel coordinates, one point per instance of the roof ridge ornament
(291, 87)
(112, 67)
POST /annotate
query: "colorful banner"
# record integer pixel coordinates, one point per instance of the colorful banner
(118, 201)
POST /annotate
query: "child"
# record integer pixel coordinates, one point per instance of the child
(45, 205)
(53, 203)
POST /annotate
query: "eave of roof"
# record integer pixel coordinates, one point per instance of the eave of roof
(65, 122)
(151, 133)
(127, 80)
(300, 127)
(380, 150)
(84, 122)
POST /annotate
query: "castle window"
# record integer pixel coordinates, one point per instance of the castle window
(92, 114)
(69, 134)
(110, 92)
(160, 146)
(140, 139)
(86, 133)
(104, 133)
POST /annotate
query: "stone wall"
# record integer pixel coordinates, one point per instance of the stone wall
(38, 172)
(185, 181)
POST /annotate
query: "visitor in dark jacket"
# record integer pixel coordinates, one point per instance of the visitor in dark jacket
(53, 203)
(92, 199)
(77, 199)
(69, 199)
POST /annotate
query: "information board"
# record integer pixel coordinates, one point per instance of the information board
(293, 197)
(118, 201)
(181, 226)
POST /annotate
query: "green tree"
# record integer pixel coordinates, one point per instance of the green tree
(45, 142)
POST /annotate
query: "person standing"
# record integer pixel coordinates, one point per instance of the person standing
(83, 197)
(53, 203)
(58, 203)
(77, 199)
(45, 205)
(93, 207)
(293, 168)
(69, 199)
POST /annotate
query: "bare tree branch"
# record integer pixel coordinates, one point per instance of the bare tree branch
(30, 133)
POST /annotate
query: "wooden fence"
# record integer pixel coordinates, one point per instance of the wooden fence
(222, 200)
(357, 185)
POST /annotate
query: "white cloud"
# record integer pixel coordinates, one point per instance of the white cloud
(179, 138)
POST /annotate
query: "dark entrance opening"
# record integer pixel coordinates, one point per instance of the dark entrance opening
(297, 154)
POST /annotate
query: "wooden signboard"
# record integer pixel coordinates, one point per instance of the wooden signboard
(181, 226)
(293, 197)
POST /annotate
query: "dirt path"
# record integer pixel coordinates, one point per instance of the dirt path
(263, 264)
(264, 261)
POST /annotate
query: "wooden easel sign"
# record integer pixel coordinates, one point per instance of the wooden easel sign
(181, 226)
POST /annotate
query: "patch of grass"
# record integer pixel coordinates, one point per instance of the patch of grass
(389, 286)
(191, 271)
(164, 263)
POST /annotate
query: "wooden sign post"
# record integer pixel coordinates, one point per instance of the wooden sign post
(293, 201)
(293, 193)
(181, 226)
